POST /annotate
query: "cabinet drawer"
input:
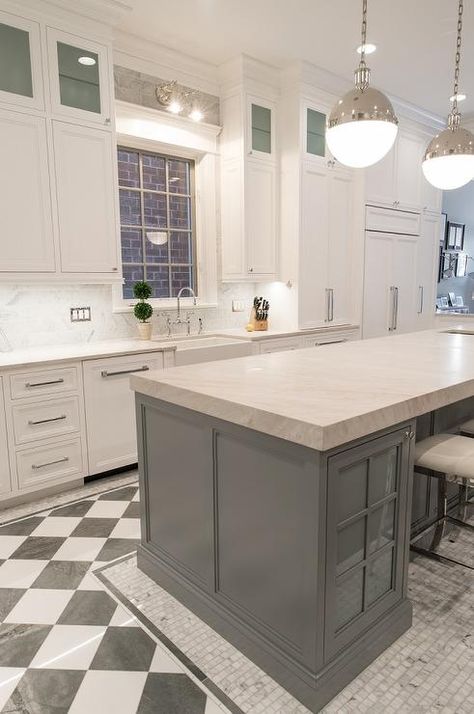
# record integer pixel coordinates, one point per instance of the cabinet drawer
(283, 345)
(61, 461)
(319, 340)
(51, 381)
(392, 221)
(43, 420)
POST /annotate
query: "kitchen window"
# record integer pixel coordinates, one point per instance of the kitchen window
(157, 221)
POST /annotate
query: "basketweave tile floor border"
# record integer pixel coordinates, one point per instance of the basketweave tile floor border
(429, 669)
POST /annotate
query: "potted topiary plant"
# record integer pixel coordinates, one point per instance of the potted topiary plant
(143, 310)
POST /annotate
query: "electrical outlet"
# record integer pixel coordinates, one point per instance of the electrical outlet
(80, 314)
(238, 305)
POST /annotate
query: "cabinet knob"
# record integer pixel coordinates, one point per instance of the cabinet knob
(410, 435)
(250, 270)
(107, 121)
(114, 268)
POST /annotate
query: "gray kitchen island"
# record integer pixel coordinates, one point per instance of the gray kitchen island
(276, 495)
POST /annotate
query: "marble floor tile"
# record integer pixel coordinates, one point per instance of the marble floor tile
(121, 494)
(171, 694)
(163, 662)
(69, 647)
(24, 527)
(127, 528)
(40, 607)
(132, 511)
(41, 548)
(88, 608)
(80, 549)
(95, 527)
(116, 547)
(9, 678)
(20, 573)
(124, 648)
(90, 583)
(20, 643)
(57, 526)
(122, 618)
(62, 575)
(80, 509)
(9, 544)
(107, 509)
(109, 693)
(44, 691)
(8, 599)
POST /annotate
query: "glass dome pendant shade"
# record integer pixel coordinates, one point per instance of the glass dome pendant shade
(448, 162)
(362, 127)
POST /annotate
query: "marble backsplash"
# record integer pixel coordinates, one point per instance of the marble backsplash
(35, 315)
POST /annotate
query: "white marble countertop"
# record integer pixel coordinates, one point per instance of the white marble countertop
(30, 356)
(327, 396)
(271, 334)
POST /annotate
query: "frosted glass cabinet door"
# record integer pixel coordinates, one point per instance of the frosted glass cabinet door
(79, 77)
(20, 62)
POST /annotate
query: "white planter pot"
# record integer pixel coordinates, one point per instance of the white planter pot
(144, 330)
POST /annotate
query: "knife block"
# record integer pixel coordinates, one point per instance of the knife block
(258, 325)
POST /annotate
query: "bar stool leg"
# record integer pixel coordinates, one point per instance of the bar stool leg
(464, 503)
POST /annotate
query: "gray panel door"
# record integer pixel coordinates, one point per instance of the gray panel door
(367, 538)
(268, 500)
(179, 498)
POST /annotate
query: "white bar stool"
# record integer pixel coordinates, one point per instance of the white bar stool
(448, 457)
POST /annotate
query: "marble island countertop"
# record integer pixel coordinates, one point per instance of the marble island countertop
(324, 397)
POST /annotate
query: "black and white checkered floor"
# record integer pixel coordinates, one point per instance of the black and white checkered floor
(65, 643)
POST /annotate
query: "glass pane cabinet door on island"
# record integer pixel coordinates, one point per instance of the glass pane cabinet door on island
(80, 78)
(20, 62)
(367, 491)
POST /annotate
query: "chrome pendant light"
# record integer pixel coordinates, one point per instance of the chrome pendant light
(449, 158)
(362, 127)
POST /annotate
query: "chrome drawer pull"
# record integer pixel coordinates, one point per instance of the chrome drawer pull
(50, 463)
(46, 421)
(330, 342)
(105, 373)
(44, 384)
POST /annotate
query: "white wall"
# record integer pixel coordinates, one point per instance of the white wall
(39, 314)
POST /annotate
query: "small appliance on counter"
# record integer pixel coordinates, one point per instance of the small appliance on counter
(259, 315)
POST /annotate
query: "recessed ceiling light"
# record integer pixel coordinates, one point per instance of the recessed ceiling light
(88, 61)
(461, 97)
(175, 107)
(196, 115)
(369, 48)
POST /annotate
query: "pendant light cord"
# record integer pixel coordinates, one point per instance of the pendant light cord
(454, 117)
(362, 73)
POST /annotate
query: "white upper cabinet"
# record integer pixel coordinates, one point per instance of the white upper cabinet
(27, 233)
(79, 75)
(21, 79)
(340, 247)
(397, 180)
(249, 187)
(85, 181)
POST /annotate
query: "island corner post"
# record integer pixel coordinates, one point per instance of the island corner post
(298, 557)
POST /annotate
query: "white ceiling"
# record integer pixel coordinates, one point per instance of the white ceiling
(415, 38)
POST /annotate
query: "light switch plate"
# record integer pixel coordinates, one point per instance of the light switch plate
(238, 305)
(80, 314)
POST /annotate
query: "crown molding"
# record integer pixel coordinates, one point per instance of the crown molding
(145, 56)
(107, 11)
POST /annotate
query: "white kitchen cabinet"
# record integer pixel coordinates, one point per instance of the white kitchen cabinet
(79, 78)
(85, 189)
(27, 232)
(110, 409)
(427, 264)
(389, 284)
(5, 479)
(249, 186)
(326, 246)
(21, 79)
(281, 344)
(396, 180)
